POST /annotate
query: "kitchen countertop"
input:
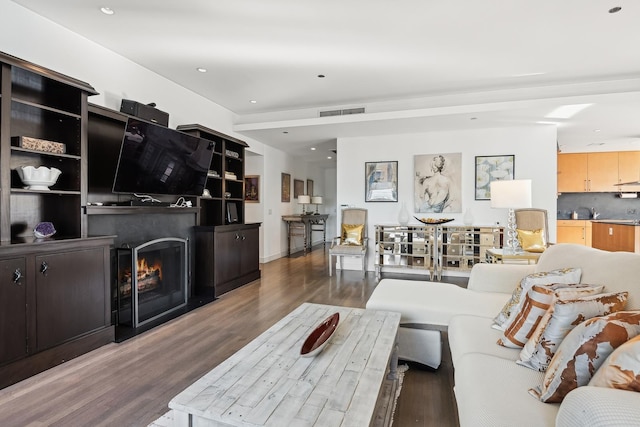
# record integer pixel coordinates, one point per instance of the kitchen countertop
(633, 222)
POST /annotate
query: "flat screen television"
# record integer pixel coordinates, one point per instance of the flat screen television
(157, 160)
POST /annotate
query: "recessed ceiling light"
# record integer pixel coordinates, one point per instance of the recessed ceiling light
(107, 10)
(313, 148)
(321, 76)
(527, 74)
(202, 70)
(615, 9)
(567, 111)
(329, 157)
(596, 130)
(285, 131)
(253, 101)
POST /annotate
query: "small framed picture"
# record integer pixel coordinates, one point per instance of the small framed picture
(252, 188)
(381, 181)
(298, 188)
(310, 187)
(492, 168)
(286, 188)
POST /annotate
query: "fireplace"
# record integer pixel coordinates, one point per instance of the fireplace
(152, 280)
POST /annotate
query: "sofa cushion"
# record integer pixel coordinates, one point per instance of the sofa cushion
(561, 275)
(560, 319)
(432, 303)
(583, 351)
(621, 370)
(491, 391)
(474, 334)
(536, 303)
(618, 271)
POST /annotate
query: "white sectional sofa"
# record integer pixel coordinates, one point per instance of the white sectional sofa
(490, 388)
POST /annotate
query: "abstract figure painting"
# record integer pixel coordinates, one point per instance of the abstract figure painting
(437, 186)
(492, 168)
(381, 181)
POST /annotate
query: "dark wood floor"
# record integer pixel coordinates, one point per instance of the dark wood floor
(131, 383)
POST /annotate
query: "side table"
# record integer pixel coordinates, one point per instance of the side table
(495, 256)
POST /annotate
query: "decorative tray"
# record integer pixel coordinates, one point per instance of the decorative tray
(319, 337)
(433, 221)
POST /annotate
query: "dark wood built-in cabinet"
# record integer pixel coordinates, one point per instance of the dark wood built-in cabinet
(54, 304)
(227, 252)
(226, 257)
(54, 292)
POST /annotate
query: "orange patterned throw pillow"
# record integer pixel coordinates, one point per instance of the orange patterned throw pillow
(536, 303)
(562, 275)
(583, 351)
(560, 319)
(621, 370)
(352, 234)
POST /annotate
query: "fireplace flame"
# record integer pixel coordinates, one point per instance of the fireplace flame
(146, 270)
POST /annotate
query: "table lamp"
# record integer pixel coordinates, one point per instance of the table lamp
(316, 200)
(512, 194)
(304, 200)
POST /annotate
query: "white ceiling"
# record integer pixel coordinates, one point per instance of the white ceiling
(416, 65)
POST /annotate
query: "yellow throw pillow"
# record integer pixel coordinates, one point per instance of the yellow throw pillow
(532, 240)
(352, 234)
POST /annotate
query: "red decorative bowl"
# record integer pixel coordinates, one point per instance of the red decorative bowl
(316, 341)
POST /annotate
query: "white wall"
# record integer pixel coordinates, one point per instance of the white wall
(534, 148)
(273, 228)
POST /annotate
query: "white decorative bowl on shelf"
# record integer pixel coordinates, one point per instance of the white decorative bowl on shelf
(40, 178)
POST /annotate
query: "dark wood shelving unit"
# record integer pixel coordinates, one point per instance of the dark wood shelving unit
(54, 298)
(227, 254)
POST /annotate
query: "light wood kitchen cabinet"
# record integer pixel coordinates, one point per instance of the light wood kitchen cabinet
(587, 172)
(629, 169)
(574, 231)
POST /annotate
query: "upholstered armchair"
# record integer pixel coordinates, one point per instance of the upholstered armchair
(353, 239)
(532, 226)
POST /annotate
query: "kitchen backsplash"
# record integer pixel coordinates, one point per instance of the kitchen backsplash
(607, 204)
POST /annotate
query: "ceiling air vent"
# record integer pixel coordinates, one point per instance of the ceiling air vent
(359, 110)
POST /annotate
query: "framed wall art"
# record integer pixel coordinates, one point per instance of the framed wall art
(310, 187)
(492, 168)
(286, 188)
(252, 188)
(437, 184)
(298, 188)
(381, 181)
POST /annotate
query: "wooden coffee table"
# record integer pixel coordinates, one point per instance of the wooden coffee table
(268, 383)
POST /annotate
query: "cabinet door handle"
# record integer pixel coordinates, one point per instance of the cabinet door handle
(44, 267)
(17, 275)
(237, 236)
(243, 237)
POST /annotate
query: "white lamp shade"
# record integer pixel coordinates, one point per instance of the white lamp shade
(316, 200)
(304, 199)
(512, 194)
